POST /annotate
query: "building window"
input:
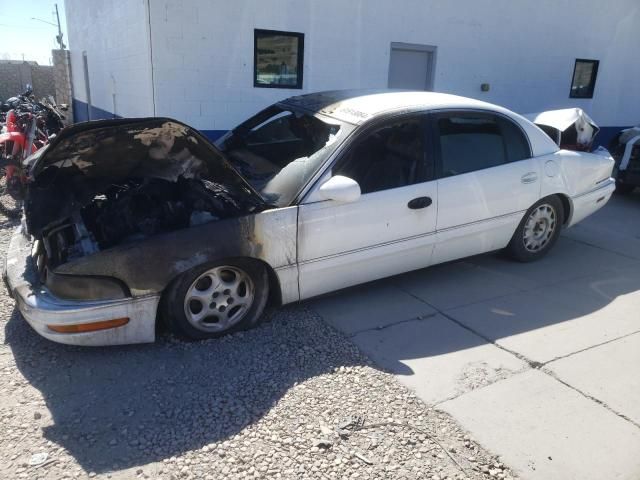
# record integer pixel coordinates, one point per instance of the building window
(277, 59)
(584, 78)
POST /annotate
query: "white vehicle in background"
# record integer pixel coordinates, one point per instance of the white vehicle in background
(625, 148)
(569, 128)
(313, 194)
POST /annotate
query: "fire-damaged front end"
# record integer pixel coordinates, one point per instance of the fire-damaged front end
(114, 210)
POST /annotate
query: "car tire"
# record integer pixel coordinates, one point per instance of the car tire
(215, 299)
(538, 230)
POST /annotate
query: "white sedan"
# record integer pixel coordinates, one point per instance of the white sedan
(135, 222)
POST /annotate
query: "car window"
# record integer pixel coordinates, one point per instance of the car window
(475, 141)
(276, 128)
(391, 156)
(279, 150)
(515, 140)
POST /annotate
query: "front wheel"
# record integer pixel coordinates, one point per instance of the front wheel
(216, 299)
(538, 231)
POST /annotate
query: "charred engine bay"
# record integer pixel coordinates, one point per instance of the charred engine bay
(134, 210)
(104, 183)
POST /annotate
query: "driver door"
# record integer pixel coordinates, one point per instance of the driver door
(390, 229)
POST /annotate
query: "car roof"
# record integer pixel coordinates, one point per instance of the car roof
(356, 106)
(359, 106)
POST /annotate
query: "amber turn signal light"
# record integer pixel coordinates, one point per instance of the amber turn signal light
(89, 327)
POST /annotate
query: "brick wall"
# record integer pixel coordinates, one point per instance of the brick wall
(15, 75)
(62, 80)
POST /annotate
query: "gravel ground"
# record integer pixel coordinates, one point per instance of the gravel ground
(292, 399)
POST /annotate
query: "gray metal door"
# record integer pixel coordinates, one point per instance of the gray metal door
(411, 66)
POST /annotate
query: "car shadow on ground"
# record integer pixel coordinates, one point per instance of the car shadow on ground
(456, 306)
(118, 407)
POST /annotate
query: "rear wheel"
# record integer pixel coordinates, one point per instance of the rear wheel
(216, 299)
(538, 231)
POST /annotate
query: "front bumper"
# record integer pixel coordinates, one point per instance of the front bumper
(591, 201)
(40, 308)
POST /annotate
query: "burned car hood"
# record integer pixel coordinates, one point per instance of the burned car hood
(83, 160)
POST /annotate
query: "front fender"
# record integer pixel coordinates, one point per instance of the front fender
(149, 265)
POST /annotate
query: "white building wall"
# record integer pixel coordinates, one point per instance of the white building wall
(202, 51)
(115, 35)
(616, 100)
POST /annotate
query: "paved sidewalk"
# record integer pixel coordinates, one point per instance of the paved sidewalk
(540, 362)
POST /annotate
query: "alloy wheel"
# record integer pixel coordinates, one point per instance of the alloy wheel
(539, 228)
(219, 298)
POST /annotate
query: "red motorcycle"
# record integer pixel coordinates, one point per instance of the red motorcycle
(27, 128)
(21, 139)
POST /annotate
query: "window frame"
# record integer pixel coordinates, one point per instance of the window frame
(362, 133)
(592, 81)
(264, 114)
(435, 136)
(299, 65)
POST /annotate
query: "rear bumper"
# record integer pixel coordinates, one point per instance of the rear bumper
(41, 309)
(591, 201)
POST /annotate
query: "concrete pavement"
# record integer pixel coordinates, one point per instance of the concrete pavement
(540, 361)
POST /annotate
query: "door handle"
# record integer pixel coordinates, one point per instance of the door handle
(530, 177)
(420, 202)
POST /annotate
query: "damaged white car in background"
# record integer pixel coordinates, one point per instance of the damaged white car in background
(625, 148)
(132, 223)
(569, 128)
(573, 129)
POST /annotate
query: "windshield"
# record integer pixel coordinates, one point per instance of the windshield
(278, 150)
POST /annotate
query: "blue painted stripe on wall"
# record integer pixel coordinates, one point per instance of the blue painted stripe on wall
(213, 135)
(81, 114)
(605, 135)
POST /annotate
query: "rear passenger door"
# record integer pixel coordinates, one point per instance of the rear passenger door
(486, 181)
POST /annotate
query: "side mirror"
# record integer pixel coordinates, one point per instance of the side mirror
(340, 189)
